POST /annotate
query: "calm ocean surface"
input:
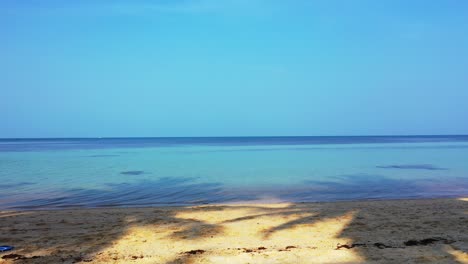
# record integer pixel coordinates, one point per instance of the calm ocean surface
(63, 173)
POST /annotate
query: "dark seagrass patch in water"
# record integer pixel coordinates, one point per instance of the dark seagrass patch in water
(412, 167)
(133, 172)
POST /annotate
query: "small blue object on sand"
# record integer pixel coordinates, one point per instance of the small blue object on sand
(5, 248)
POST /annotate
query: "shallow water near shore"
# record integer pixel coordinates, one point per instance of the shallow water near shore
(63, 173)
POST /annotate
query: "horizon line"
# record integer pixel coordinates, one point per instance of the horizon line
(167, 137)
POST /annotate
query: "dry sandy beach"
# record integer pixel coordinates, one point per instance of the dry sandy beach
(399, 231)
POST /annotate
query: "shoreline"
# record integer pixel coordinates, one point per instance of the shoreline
(370, 231)
(262, 201)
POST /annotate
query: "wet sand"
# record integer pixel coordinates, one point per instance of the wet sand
(398, 231)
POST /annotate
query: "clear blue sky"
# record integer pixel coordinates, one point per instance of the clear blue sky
(233, 68)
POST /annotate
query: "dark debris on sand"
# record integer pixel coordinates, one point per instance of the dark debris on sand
(427, 241)
(195, 252)
(409, 243)
(18, 256)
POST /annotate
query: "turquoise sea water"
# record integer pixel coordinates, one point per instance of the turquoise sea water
(59, 173)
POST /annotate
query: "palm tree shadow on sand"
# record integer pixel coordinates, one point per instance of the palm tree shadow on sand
(422, 231)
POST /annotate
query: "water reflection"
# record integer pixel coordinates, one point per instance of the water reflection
(164, 191)
(187, 191)
(364, 186)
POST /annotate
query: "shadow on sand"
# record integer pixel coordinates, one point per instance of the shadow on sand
(431, 231)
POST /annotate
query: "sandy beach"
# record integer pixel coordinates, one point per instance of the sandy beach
(398, 231)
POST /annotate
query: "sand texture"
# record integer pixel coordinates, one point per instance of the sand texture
(400, 231)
